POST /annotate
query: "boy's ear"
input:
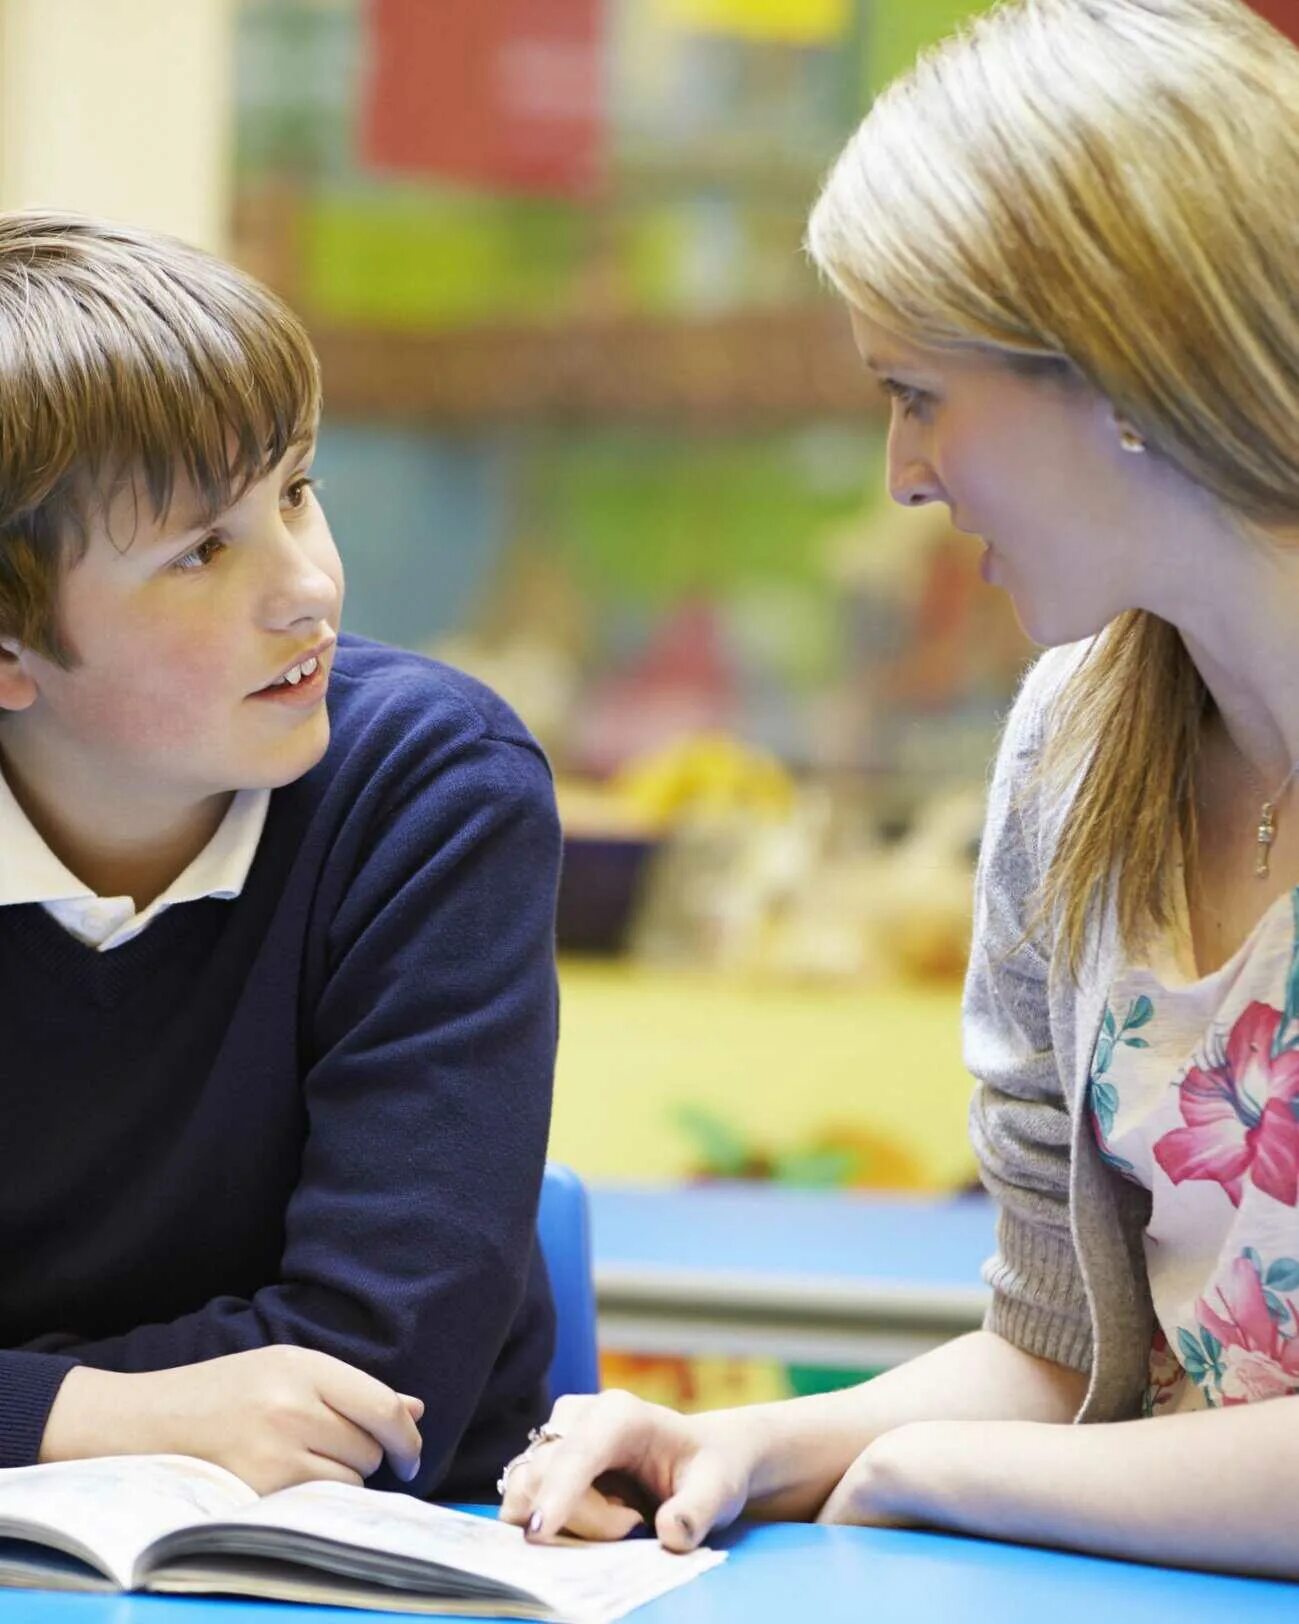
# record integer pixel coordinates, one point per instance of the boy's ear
(17, 687)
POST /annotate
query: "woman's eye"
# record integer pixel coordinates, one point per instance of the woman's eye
(914, 402)
(296, 493)
(198, 558)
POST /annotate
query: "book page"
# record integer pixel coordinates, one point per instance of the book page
(107, 1510)
(591, 1582)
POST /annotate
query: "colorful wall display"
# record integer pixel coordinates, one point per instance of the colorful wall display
(503, 94)
(791, 22)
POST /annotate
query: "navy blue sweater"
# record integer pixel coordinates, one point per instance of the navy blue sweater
(314, 1115)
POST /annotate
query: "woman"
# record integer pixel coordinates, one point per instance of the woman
(1069, 243)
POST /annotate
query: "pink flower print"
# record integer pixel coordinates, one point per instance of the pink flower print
(1241, 1115)
(1249, 1376)
(1257, 1360)
(1164, 1379)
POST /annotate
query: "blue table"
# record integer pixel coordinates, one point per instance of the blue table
(822, 1575)
(800, 1276)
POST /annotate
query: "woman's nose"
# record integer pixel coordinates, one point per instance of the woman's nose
(912, 484)
(911, 478)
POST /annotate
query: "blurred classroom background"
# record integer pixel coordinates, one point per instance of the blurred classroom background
(594, 432)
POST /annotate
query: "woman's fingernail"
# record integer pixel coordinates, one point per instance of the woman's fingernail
(534, 1523)
(412, 1471)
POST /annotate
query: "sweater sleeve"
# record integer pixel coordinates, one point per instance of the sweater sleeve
(29, 1384)
(1019, 1117)
(428, 1064)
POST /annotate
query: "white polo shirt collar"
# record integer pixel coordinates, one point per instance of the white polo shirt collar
(30, 872)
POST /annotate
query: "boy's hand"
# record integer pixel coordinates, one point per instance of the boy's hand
(273, 1416)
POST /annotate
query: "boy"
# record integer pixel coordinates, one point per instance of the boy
(277, 995)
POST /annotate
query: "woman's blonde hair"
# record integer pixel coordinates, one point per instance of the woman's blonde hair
(1112, 184)
(126, 355)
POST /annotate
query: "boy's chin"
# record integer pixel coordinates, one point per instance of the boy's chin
(294, 762)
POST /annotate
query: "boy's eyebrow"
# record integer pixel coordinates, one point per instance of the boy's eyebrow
(177, 527)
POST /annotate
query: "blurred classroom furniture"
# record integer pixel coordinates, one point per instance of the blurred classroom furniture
(830, 1278)
(564, 1234)
(640, 1046)
(786, 1571)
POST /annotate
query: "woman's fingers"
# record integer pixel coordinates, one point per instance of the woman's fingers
(608, 1433)
(618, 1462)
(704, 1496)
(597, 1517)
(594, 1516)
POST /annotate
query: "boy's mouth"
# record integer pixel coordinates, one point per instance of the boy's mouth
(303, 669)
(307, 677)
(295, 674)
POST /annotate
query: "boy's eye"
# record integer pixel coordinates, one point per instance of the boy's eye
(198, 558)
(914, 402)
(296, 492)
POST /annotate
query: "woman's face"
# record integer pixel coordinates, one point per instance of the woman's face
(1033, 465)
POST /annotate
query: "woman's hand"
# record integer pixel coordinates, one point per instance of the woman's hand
(621, 1462)
(274, 1416)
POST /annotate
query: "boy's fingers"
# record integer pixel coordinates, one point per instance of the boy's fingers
(342, 1441)
(332, 1471)
(382, 1413)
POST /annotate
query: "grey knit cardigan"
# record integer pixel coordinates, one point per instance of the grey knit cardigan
(1069, 1279)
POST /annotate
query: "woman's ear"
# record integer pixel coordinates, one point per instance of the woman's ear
(17, 687)
(1131, 439)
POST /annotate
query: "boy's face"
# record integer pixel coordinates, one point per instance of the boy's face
(179, 630)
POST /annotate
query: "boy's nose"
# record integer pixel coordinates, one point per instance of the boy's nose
(303, 593)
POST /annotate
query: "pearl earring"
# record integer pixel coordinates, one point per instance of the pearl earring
(1130, 440)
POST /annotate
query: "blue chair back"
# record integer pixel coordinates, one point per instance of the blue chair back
(564, 1231)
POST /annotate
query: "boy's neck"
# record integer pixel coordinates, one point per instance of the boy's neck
(160, 847)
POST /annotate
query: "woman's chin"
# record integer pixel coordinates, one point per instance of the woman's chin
(1054, 625)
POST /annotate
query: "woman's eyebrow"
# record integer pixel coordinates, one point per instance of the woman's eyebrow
(892, 367)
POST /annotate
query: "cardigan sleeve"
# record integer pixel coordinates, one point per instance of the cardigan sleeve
(1020, 1124)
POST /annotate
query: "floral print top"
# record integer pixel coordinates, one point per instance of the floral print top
(1194, 1094)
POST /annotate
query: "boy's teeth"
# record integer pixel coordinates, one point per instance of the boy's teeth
(294, 675)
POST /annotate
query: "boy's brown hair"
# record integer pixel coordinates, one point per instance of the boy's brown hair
(127, 356)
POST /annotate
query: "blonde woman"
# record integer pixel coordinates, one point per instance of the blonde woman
(1069, 244)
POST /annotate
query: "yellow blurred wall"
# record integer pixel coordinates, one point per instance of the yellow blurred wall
(120, 108)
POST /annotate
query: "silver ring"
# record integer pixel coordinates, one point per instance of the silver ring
(537, 1437)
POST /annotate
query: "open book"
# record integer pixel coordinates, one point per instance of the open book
(166, 1522)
